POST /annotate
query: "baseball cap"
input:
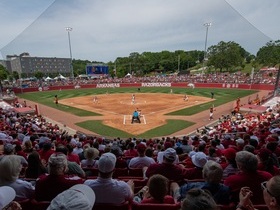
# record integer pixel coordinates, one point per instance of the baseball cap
(79, 196)
(229, 153)
(141, 147)
(57, 159)
(170, 154)
(7, 195)
(107, 162)
(199, 159)
(239, 141)
(8, 147)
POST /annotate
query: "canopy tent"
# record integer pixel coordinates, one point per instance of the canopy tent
(60, 77)
(128, 75)
(48, 78)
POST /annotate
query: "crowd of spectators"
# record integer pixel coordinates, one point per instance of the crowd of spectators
(41, 161)
(261, 77)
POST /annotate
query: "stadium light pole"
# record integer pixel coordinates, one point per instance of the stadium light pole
(68, 29)
(207, 25)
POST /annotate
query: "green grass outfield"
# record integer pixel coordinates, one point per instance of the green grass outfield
(222, 96)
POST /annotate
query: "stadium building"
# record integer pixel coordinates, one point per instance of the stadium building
(25, 64)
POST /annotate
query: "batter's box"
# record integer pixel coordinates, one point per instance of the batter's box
(127, 120)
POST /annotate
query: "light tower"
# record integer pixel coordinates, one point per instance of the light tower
(68, 29)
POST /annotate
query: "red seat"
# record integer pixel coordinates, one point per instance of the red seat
(39, 205)
(261, 207)
(120, 172)
(105, 206)
(153, 206)
(25, 204)
(135, 172)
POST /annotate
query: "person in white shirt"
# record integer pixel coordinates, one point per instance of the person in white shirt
(116, 191)
(142, 160)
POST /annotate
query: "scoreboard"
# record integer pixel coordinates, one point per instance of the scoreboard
(92, 69)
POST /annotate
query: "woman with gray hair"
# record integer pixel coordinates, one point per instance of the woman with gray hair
(198, 199)
(10, 167)
(90, 154)
(50, 185)
(249, 176)
(212, 174)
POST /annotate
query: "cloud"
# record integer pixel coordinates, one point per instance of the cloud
(105, 30)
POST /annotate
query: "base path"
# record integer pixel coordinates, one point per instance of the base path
(153, 106)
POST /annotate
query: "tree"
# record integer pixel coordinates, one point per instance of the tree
(270, 54)
(39, 74)
(15, 75)
(226, 55)
(3, 72)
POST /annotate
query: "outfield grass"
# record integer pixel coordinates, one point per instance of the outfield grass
(221, 96)
(172, 126)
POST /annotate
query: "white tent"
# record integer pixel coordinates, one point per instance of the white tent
(128, 75)
(60, 77)
(48, 78)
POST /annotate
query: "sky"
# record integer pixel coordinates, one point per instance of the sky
(103, 30)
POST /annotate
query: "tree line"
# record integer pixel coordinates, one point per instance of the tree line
(223, 57)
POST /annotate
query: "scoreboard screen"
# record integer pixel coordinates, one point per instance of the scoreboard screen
(98, 69)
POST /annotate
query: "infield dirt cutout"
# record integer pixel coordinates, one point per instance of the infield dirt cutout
(116, 109)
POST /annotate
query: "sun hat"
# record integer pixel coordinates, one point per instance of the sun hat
(107, 162)
(170, 154)
(199, 159)
(79, 196)
(7, 195)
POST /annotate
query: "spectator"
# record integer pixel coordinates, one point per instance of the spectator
(78, 149)
(212, 174)
(230, 167)
(199, 159)
(271, 195)
(160, 155)
(72, 157)
(9, 149)
(131, 151)
(49, 186)
(247, 163)
(156, 190)
(10, 167)
(91, 155)
(35, 167)
(198, 199)
(266, 162)
(7, 195)
(167, 168)
(116, 191)
(73, 167)
(79, 196)
(142, 160)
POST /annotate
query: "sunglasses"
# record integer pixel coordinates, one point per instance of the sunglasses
(264, 187)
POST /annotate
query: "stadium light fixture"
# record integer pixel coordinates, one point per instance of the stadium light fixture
(207, 25)
(69, 29)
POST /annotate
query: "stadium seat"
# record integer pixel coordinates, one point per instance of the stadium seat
(39, 205)
(138, 183)
(152, 206)
(120, 172)
(105, 206)
(137, 172)
(25, 204)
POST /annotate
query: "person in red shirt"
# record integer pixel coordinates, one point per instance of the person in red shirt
(49, 186)
(249, 176)
(72, 157)
(157, 190)
(167, 168)
(131, 151)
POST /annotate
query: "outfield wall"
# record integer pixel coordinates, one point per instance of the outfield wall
(150, 84)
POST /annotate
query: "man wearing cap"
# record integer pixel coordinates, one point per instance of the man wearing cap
(142, 160)
(107, 189)
(79, 196)
(167, 168)
(9, 149)
(49, 186)
(7, 195)
(199, 159)
(161, 154)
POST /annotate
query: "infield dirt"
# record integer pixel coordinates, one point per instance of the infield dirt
(116, 109)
